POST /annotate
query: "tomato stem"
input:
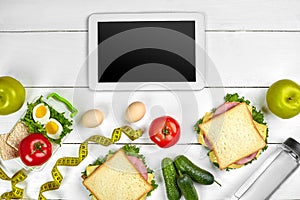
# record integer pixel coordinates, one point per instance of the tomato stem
(165, 131)
(38, 147)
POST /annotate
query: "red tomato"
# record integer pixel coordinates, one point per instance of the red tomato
(164, 131)
(35, 150)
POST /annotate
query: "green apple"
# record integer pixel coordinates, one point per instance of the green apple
(283, 98)
(12, 95)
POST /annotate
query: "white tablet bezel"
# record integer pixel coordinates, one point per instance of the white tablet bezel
(119, 17)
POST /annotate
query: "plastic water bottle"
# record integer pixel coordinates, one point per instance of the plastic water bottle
(272, 173)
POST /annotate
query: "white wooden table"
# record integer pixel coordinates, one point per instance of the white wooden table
(251, 43)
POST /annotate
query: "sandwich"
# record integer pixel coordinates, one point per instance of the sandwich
(120, 175)
(235, 133)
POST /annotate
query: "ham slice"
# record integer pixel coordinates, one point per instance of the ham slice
(221, 109)
(224, 107)
(139, 165)
(246, 159)
(207, 142)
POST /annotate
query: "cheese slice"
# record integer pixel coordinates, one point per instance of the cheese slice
(91, 169)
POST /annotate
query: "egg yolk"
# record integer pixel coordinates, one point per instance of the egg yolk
(41, 111)
(51, 127)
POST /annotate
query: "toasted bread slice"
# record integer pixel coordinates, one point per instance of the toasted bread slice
(233, 135)
(117, 179)
(6, 151)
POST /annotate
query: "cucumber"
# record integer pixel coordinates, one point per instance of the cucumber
(201, 176)
(170, 177)
(186, 186)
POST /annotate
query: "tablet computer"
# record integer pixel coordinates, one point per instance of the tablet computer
(146, 51)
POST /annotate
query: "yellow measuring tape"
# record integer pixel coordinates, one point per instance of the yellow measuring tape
(83, 152)
(16, 193)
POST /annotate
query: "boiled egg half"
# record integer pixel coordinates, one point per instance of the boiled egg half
(41, 113)
(53, 128)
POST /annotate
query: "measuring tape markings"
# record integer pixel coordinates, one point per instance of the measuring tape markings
(16, 193)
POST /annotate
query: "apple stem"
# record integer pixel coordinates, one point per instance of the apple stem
(290, 98)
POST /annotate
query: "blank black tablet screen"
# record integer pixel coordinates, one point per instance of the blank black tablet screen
(146, 51)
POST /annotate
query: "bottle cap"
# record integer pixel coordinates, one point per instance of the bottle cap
(292, 145)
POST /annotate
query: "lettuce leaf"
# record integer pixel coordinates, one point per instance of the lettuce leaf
(196, 126)
(235, 98)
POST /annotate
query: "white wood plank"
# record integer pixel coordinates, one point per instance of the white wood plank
(72, 187)
(253, 59)
(44, 59)
(220, 15)
(186, 107)
(240, 59)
